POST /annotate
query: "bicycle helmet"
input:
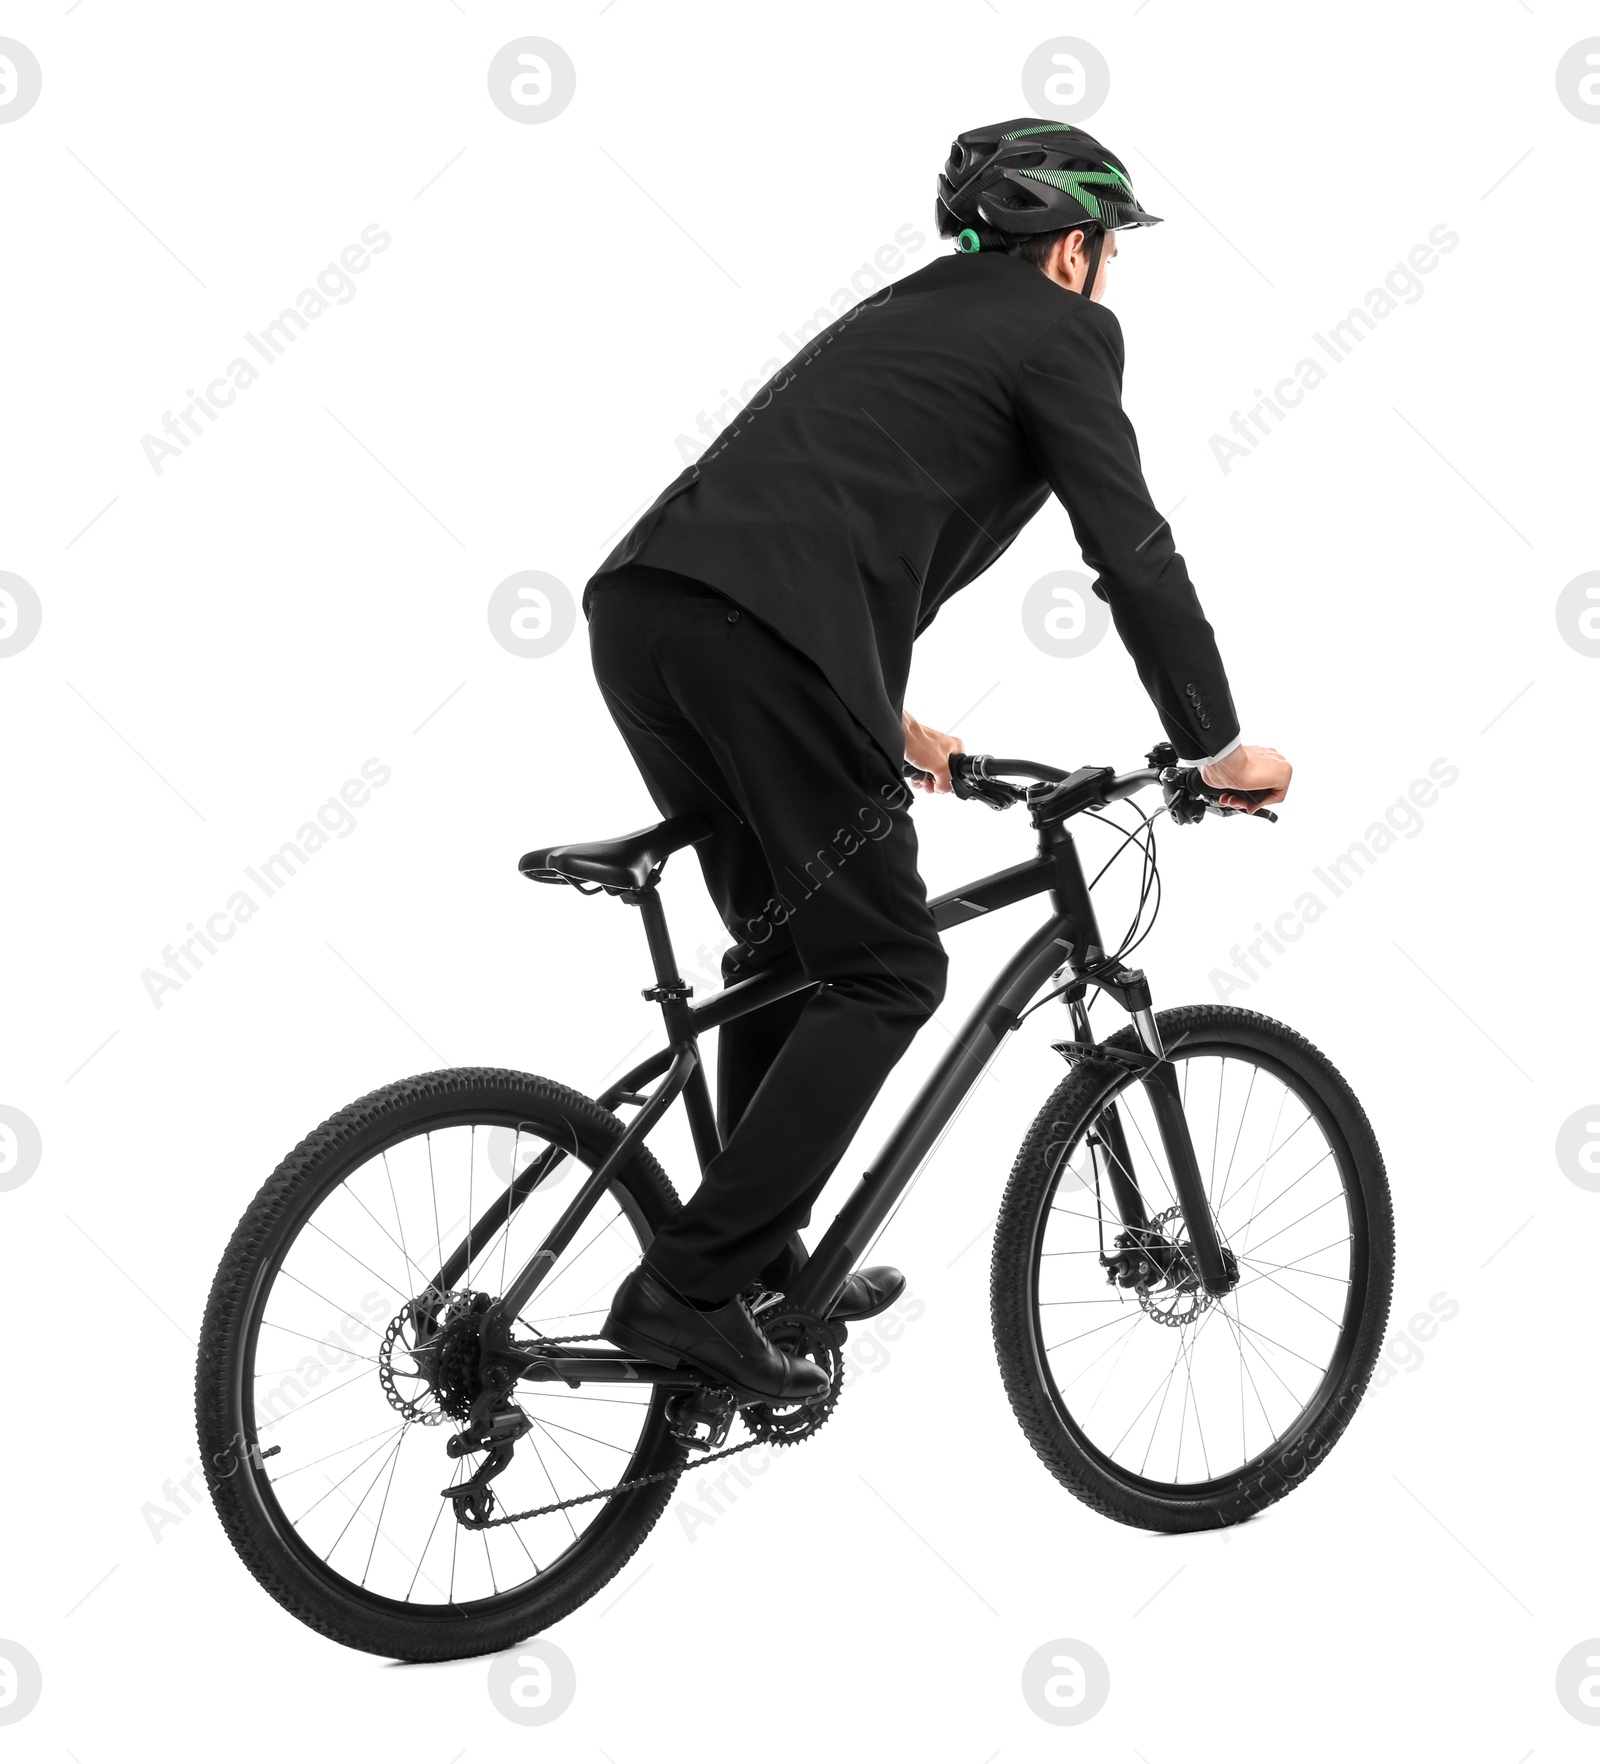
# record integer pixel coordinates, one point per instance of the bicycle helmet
(1012, 179)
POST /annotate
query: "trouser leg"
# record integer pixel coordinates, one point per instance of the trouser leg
(726, 720)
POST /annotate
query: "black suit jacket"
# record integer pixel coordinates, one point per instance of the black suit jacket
(895, 458)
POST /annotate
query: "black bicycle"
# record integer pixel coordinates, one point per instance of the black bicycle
(419, 1445)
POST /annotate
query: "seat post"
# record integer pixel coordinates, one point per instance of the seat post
(673, 994)
(662, 956)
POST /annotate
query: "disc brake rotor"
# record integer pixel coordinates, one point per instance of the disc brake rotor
(1179, 1297)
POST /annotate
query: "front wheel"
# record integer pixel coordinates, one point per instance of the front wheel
(1154, 1401)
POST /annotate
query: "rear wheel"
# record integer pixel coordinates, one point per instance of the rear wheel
(323, 1438)
(1155, 1402)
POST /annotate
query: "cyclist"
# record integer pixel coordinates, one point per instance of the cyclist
(752, 638)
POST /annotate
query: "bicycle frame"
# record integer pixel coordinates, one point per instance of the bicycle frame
(1068, 940)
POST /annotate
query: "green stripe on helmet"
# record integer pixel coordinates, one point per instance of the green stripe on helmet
(1076, 184)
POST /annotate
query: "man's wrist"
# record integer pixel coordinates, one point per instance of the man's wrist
(1220, 755)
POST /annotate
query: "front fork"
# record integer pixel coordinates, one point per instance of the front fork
(1160, 1079)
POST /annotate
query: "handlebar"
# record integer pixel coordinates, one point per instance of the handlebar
(1055, 794)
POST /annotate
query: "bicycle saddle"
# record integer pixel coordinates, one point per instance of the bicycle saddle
(627, 862)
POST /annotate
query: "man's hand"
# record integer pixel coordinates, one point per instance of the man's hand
(1250, 768)
(930, 751)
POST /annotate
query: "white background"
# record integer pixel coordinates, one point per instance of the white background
(230, 639)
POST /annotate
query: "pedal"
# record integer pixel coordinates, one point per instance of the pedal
(694, 1410)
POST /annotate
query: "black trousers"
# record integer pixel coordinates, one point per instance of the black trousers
(813, 857)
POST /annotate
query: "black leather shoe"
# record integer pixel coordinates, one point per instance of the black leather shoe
(648, 1320)
(867, 1293)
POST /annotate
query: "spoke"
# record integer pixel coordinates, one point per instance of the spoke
(1283, 1191)
(285, 1274)
(1250, 1329)
(1105, 1383)
(1079, 1337)
(1087, 1217)
(437, 1515)
(1295, 1268)
(505, 1242)
(1045, 1304)
(438, 1246)
(399, 1223)
(1161, 1389)
(289, 1414)
(578, 1433)
(1134, 1317)
(1245, 1372)
(427, 1279)
(1276, 1148)
(1239, 1323)
(321, 1341)
(334, 1486)
(1335, 1321)
(404, 1297)
(545, 1429)
(1255, 1072)
(383, 1507)
(516, 1532)
(552, 1481)
(1155, 1426)
(472, 1216)
(357, 1509)
(1199, 1426)
(455, 1541)
(1216, 1125)
(1339, 1196)
(383, 1432)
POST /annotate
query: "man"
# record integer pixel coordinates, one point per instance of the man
(752, 638)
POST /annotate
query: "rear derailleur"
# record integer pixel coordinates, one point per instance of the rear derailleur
(493, 1427)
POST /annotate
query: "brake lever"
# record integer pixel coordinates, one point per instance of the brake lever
(1189, 797)
(971, 786)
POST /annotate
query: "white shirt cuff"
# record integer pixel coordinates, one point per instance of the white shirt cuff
(1212, 760)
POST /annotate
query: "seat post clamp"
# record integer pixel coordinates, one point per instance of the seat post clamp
(663, 994)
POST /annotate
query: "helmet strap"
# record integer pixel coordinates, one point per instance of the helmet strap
(1087, 290)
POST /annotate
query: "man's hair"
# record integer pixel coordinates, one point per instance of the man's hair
(1036, 247)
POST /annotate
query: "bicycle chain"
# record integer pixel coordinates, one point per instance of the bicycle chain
(605, 1494)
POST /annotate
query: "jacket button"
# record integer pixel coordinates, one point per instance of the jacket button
(733, 617)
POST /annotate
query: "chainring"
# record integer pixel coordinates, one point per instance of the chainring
(808, 1338)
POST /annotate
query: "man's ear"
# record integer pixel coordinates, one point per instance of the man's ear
(1062, 254)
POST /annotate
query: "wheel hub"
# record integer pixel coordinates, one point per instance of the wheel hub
(1159, 1265)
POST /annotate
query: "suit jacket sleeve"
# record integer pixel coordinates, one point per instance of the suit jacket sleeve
(1069, 400)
